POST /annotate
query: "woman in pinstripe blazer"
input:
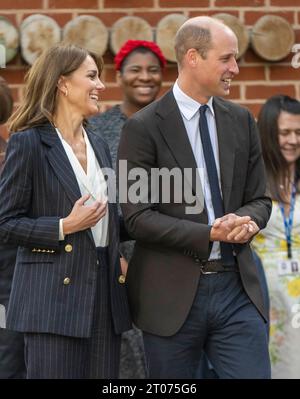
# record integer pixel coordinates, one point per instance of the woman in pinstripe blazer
(68, 293)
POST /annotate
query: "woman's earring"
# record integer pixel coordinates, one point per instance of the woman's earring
(66, 93)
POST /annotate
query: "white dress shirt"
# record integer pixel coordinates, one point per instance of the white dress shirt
(92, 182)
(189, 109)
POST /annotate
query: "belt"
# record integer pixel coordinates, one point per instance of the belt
(215, 266)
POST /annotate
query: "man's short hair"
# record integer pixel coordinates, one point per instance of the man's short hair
(192, 36)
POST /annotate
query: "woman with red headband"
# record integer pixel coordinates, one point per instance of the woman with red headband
(139, 66)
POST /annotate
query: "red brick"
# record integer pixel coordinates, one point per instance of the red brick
(235, 92)
(251, 73)
(278, 72)
(250, 56)
(251, 17)
(184, 3)
(20, 4)
(235, 13)
(4, 132)
(170, 73)
(18, 62)
(11, 17)
(287, 59)
(297, 32)
(73, 4)
(111, 94)
(108, 18)
(15, 94)
(285, 3)
(209, 13)
(239, 3)
(128, 3)
(151, 17)
(264, 92)
(254, 108)
(108, 57)
(60, 18)
(164, 89)
(13, 76)
(109, 75)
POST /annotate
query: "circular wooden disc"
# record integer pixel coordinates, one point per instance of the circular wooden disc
(9, 38)
(238, 28)
(38, 32)
(165, 34)
(127, 28)
(88, 32)
(272, 37)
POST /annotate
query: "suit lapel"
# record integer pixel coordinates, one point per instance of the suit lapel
(59, 162)
(61, 166)
(172, 128)
(227, 144)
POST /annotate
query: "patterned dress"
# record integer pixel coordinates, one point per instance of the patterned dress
(284, 291)
(109, 126)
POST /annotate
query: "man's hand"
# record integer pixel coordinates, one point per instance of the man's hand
(233, 228)
(244, 233)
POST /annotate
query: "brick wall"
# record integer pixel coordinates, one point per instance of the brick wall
(257, 80)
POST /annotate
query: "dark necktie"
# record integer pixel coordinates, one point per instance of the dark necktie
(226, 249)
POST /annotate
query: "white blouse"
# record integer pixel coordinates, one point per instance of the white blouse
(92, 182)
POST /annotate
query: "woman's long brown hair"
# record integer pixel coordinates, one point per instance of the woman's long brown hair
(278, 173)
(41, 81)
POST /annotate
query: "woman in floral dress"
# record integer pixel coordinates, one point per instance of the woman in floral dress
(278, 245)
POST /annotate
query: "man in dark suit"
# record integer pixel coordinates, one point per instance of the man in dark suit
(192, 280)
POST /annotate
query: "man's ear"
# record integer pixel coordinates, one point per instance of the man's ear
(192, 57)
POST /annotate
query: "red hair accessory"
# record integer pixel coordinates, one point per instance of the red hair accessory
(131, 45)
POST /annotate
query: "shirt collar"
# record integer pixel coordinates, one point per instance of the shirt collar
(187, 105)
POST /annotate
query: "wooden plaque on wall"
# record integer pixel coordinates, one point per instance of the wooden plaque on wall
(238, 28)
(9, 37)
(88, 32)
(272, 38)
(38, 32)
(126, 28)
(165, 34)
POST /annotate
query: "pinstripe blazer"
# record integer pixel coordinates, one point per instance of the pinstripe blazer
(38, 187)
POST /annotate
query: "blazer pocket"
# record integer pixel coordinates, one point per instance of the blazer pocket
(35, 258)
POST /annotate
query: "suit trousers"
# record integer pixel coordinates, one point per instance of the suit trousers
(52, 356)
(225, 324)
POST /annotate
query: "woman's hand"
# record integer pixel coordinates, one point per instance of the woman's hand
(124, 266)
(83, 216)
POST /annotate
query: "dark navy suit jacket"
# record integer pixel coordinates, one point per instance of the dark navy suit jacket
(38, 187)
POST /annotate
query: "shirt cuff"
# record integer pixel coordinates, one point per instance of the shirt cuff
(61, 230)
